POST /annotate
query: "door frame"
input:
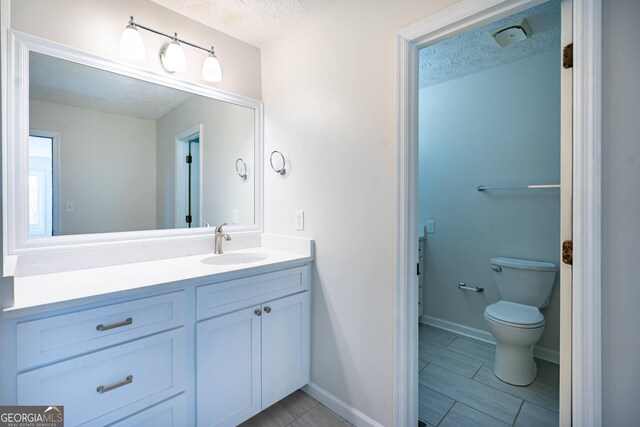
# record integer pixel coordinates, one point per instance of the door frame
(586, 391)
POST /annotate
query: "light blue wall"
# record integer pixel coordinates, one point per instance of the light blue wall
(497, 127)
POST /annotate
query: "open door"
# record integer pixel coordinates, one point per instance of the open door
(566, 209)
(188, 209)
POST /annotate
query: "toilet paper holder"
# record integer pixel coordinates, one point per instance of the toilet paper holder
(464, 287)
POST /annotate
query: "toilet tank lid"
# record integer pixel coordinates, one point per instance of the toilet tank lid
(524, 264)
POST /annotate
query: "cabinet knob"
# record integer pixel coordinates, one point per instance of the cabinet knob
(267, 309)
(258, 312)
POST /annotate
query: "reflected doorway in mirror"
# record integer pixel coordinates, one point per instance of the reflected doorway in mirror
(188, 178)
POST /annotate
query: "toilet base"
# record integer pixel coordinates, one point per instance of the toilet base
(515, 364)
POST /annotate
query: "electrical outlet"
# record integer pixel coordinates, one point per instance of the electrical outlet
(431, 227)
(234, 216)
(70, 206)
(299, 220)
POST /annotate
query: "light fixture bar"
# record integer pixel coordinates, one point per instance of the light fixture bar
(174, 37)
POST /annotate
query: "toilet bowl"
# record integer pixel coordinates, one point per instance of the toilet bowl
(515, 321)
(516, 328)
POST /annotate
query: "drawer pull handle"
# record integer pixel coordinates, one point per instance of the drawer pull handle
(105, 388)
(126, 322)
(267, 309)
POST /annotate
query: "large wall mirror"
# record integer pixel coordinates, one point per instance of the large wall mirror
(97, 149)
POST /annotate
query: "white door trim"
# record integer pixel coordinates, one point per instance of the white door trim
(586, 357)
(586, 367)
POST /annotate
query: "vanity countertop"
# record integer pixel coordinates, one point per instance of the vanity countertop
(56, 290)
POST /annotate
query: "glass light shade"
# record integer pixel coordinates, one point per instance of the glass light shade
(131, 45)
(174, 58)
(211, 70)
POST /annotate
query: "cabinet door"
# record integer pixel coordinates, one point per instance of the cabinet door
(285, 347)
(228, 368)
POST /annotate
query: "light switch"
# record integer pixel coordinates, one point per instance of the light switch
(234, 216)
(70, 206)
(431, 227)
(299, 220)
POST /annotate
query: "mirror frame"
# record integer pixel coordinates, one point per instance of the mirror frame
(15, 148)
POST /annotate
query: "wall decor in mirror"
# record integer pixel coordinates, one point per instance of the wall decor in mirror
(104, 149)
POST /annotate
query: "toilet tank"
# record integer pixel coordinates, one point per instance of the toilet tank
(523, 281)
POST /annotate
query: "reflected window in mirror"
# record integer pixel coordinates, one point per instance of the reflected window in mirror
(42, 197)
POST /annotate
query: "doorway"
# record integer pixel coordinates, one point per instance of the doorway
(489, 178)
(583, 389)
(188, 210)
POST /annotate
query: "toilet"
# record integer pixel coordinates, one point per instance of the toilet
(515, 321)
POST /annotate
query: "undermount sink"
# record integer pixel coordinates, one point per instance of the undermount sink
(230, 259)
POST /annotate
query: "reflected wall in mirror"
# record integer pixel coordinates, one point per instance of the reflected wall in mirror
(110, 153)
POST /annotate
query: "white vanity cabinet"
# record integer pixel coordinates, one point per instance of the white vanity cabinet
(250, 358)
(204, 354)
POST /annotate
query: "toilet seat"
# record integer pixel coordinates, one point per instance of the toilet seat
(515, 315)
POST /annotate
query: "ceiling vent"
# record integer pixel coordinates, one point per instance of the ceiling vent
(512, 34)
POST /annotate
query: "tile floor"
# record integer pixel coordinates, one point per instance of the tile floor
(458, 388)
(297, 410)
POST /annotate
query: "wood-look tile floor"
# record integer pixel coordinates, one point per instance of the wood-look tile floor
(297, 410)
(458, 388)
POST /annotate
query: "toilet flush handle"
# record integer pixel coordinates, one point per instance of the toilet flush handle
(496, 268)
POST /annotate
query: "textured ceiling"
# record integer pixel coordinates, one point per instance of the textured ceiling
(476, 50)
(254, 21)
(64, 82)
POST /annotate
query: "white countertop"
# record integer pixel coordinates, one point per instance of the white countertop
(52, 288)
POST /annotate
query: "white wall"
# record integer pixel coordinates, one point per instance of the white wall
(95, 26)
(621, 210)
(107, 167)
(497, 127)
(329, 92)
(227, 133)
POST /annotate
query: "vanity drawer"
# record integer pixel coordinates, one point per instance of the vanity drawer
(171, 413)
(54, 338)
(224, 297)
(141, 372)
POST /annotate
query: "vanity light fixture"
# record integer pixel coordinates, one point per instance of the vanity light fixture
(211, 70)
(172, 57)
(131, 44)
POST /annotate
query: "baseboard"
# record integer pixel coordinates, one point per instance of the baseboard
(543, 353)
(346, 411)
(459, 329)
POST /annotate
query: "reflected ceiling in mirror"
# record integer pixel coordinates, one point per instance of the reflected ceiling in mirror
(113, 153)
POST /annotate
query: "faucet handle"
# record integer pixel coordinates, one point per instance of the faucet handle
(219, 228)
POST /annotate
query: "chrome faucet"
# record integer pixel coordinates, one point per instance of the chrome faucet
(219, 236)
